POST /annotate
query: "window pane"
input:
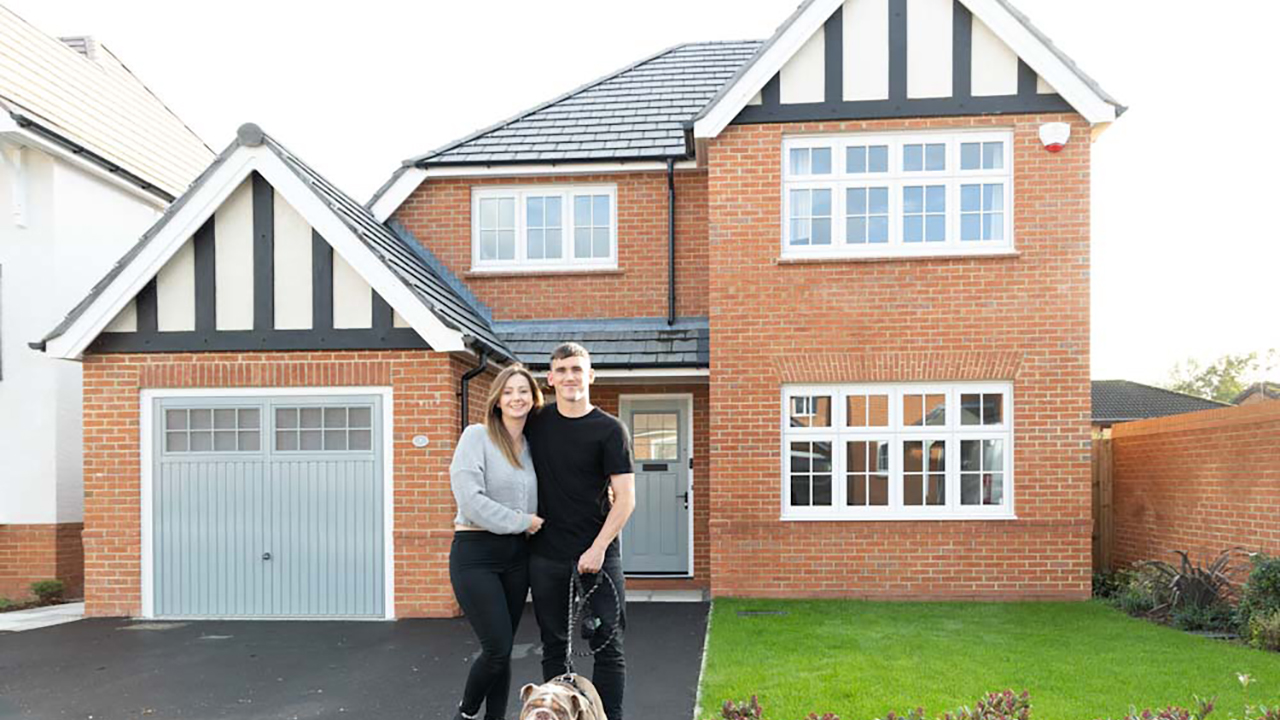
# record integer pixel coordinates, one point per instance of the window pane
(360, 417)
(970, 455)
(878, 158)
(286, 440)
(879, 198)
(582, 210)
(361, 439)
(970, 489)
(970, 198)
(856, 490)
(175, 419)
(224, 441)
(250, 441)
(800, 204)
(335, 417)
(936, 494)
(311, 417)
(821, 203)
(811, 411)
(582, 242)
(535, 247)
(992, 409)
(913, 199)
(855, 160)
(533, 212)
(856, 457)
(970, 156)
(201, 419)
(553, 211)
(993, 227)
(335, 439)
(856, 201)
(993, 155)
(800, 458)
(935, 156)
(488, 214)
(600, 242)
(935, 199)
(506, 245)
(799, 232)
(878, 230)
(912, 490)
(821, 231)
(935, 228)
(821, 160)
(201, 441)
(800, 161)
(856, 411)
(488, 245)
(993, 455)
(912, 410)
(286, 417)
(600, 210)
(800, 490)
(878, 490)
(971, 227)
(993, 196)
(856, 230)
(822, 457)
(175, 441)
(248, 418)
(310, 440)
(552, 248)
(507, 212)
(822, 490)
(878, 411)
(912, 456)
(912, 158)
(936, 412)
(970, 409)
(937, 458)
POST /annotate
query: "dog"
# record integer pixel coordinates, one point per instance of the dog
(567, 697)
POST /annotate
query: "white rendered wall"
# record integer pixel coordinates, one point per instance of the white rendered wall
(76, 227)
(803, 78)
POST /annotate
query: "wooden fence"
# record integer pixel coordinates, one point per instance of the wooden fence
(1103, 508)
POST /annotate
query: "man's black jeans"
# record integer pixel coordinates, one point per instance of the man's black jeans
(549, 580)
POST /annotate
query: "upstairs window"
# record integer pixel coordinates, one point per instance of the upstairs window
(897, 194)
(544, 227)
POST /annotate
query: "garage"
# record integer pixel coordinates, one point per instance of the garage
(266, 507)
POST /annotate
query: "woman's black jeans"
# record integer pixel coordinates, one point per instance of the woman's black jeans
(490, 576)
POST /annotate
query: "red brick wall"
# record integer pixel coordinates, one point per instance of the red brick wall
(424, 387)
(1023, 318)
(438, 213)
(29, 553)
(1201, 482)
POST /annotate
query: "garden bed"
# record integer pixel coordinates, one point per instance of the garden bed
(862, 659)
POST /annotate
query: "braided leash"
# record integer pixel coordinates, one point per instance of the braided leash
(579, 598)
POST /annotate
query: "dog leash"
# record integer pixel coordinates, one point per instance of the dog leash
(579, 598)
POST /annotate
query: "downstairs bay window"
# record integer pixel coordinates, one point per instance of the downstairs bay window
(897, 452)
(889, 195)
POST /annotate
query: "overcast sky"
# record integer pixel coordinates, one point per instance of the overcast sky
(1186, 246)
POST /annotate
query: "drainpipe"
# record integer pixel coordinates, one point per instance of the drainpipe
(671, 241)
(466, 380)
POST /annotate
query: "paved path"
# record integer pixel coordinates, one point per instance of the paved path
(37, 618)
(107, 669)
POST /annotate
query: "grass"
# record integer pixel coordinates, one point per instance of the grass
(859, 659)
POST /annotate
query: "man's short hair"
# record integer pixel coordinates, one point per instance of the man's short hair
(567, 350)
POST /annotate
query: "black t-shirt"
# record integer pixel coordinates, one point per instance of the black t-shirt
(574, 458)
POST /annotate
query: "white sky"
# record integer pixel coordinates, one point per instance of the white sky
(1186, 246)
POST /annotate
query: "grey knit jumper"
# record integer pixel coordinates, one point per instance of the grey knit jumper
(491, 494)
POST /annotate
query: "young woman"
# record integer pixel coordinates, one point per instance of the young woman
(497, 492)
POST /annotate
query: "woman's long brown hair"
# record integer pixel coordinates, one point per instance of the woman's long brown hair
(493, 418)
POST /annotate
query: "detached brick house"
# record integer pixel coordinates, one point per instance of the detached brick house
(835, 282)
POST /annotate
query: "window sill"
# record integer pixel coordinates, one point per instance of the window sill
(816, 259)
(899, 518)
(511, 272)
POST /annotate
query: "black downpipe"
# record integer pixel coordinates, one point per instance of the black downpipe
(671, 241)
(466, 381)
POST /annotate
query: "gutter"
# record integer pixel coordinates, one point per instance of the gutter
(671, 241)
(464, 384)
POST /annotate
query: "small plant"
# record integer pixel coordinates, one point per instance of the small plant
(1107, 585)
(742, 710)
(825, 716)
(1261, 591)
(994, 706)
(48, 591)
(1195, 585)
(1264, 630)
(1213, 618)
(6, 603)
(1202, 710)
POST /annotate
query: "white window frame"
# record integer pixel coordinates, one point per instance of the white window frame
(896, 434)
(521, 262)
(895, 179)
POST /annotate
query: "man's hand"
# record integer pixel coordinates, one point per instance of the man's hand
(591, 561)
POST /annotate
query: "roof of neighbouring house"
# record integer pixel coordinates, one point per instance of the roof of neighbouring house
(77, 94)
(1270, 390)
(634, 113)
(1122, 400)
(615, 343)
(391, 248)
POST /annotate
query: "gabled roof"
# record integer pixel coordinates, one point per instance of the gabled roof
(392, 268)
(1010, 25)
(1122, 400)
(630, 343)
(81, 97)
(1269, 390)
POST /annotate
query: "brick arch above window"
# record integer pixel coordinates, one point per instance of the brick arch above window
(845, 367)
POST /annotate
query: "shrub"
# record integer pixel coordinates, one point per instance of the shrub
(48, 591)
(742, 710)
(1203, 709)
(1261, 591)
(994, 706)
(1264, 630)
(1109, 584)
(6, 603)
(1195, 585)
(1212, 618)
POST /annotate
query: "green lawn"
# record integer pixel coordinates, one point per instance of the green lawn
(861, 659)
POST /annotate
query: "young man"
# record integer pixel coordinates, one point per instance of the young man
(580, 452)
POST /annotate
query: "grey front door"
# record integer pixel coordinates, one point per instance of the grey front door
(656, 539)
(267, 507)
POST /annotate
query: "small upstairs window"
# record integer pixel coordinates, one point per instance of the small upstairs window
(537, 228)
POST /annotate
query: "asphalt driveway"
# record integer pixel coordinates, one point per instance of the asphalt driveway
(110, 669)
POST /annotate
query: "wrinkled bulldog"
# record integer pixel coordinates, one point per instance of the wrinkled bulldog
(568, 697)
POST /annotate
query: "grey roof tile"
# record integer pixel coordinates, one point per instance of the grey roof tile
(613, 343)
(1120, 400)
(649, 100)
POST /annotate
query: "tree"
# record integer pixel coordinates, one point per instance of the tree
(1221, 380)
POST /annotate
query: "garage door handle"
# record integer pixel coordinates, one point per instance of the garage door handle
(266, 556)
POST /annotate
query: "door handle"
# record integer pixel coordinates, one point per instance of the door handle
(685, 497)
(266, 556)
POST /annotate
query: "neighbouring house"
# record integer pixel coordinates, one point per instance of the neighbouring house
(836, 283)
(1117, 401)
(1257, 392)
(89, 158)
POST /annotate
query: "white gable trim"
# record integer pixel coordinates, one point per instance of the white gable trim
(206, 198)
(782, 47)
(997, 18)
(389, 201)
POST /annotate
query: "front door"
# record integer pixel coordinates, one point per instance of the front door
(656, 539)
